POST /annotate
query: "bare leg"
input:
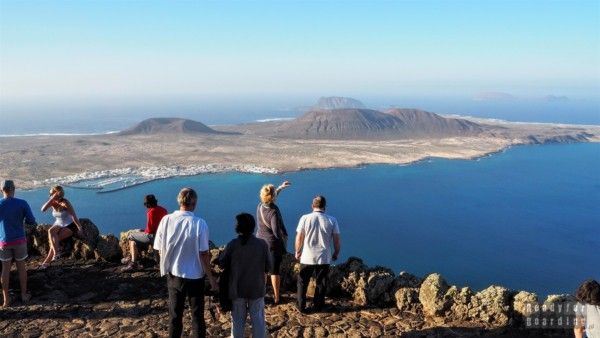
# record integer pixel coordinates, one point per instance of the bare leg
(54, 238)
(51, 234)
(49, 256)
(275, 281)
(133, 250)
(23, 279)
(5, 274)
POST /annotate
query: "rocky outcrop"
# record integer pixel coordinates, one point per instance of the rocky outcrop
(521, 301)
(406, 298)
(432, 296)
(81, 245)
(432, 300)
(108, 249)
(492, 305)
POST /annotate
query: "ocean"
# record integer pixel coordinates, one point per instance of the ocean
(34, 118)
(527, 218)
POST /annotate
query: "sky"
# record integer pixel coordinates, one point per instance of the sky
(131, 52)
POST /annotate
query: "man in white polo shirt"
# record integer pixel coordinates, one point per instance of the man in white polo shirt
(182, 240)
(317, 244)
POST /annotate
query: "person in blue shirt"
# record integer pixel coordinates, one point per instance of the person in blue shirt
(13, 243)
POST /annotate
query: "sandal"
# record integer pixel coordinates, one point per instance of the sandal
(42, 267)
(57, 256)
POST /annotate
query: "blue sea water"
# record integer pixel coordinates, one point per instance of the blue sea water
(527, 218)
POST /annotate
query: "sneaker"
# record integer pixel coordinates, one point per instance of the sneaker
(126, 260)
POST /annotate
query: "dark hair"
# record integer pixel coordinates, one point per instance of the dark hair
(589, 292)
(150, 201)
(244, 226)
(319, 202)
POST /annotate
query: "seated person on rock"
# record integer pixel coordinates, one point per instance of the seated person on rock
(66, 223)
(142, 238)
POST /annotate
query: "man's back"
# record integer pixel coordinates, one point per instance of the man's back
(181, 237)
(13, 211)
(318, 229)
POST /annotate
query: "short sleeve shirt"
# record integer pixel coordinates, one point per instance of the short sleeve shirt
(153, 217)
(180, 238)
(13, 211)
(318, 229)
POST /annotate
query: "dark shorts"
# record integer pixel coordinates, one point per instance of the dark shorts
(276, 258)
(72, 227)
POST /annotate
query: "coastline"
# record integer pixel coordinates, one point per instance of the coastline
(123, 161)
(85, 177)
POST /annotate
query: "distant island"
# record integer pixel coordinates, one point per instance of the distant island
(169, 126)
(335, 132)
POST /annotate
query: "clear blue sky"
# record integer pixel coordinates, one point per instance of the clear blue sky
(98, 49)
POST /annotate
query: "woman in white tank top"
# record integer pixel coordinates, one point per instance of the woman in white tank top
(65, 225)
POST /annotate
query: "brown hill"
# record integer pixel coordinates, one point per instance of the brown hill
(372, 124)
(425, 123)
(169, 126)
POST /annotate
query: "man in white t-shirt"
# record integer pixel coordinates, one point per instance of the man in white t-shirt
(182, 240)
(317, 244)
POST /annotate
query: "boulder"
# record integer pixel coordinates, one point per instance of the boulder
(359, 296)
(432, 295)
(379, 283)
(343, 278)
(89, 233)
(81, 245)
(407, 280)
(85, 241)
(289, 272)
(557, 303)
(37, 239)
(461, 300)
(406, 298)
(108, 249)
(492, 306)
(521, 301)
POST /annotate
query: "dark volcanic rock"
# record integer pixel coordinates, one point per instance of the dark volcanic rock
(372, 124)
(422, 123)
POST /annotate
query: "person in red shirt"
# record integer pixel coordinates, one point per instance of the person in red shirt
(139, 239)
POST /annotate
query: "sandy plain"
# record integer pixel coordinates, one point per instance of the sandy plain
(29, 160)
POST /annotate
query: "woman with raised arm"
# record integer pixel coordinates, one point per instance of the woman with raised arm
(272, 230)
(65, 225)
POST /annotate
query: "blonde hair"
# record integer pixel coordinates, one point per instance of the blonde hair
(187, 197)
(267, 193)
(58, 189)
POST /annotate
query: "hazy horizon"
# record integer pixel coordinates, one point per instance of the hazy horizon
(98, 49)
(229, 62)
